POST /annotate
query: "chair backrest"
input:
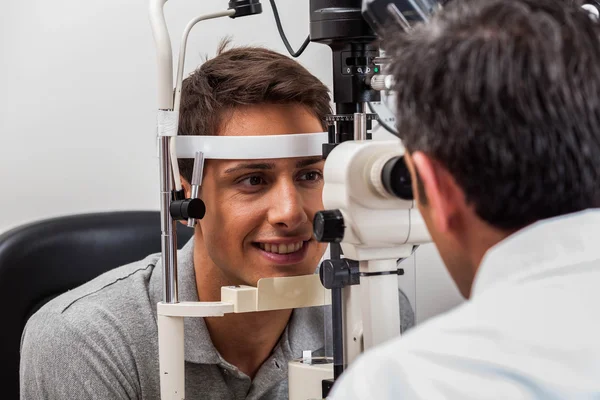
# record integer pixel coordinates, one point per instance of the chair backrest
(41, 260)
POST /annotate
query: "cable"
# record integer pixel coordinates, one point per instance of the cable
(382, 123)
(179, 84)
(282, 34)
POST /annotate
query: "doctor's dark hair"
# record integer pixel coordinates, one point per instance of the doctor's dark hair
(242, 76)
(505, 94)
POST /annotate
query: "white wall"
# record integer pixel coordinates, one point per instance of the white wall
(78, 98)
(78, 101)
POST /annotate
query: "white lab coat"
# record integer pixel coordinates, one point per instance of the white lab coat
(531, 329)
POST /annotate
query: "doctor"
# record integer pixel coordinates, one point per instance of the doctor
(499, 109)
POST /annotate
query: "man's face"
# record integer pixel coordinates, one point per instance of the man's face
(259, 213)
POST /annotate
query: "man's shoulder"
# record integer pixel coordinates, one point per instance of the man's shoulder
(128, 282)
(110, 305)
(106, 326)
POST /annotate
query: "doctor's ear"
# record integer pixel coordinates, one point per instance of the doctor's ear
(418, 187)
(436, 190)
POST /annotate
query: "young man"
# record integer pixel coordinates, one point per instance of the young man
(499, 108)
(100, 340)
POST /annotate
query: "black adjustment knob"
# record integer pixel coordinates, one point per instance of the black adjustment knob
(245, 7)
(396, 179)
(328, 226)
(188, 208)
(339, 273)
(193, 208)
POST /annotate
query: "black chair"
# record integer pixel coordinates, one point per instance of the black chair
(41, 260)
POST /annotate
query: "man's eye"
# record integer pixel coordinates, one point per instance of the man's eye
(253, 180)
(311, 176)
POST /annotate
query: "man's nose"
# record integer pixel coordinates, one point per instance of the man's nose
(287, 209)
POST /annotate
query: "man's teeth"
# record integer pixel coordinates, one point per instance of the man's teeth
(281, 248)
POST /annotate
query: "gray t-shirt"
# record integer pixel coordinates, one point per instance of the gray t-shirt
(100, 341)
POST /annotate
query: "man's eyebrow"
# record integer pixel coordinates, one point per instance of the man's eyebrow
(243, 166)
(308, 161)
(305, 162)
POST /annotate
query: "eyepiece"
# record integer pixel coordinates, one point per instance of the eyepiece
(396, 179)
(328, 226)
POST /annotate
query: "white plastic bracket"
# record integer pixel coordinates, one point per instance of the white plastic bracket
(195, 309)
(252, 147)
(277, 294)
(167, 122)
(270, 294)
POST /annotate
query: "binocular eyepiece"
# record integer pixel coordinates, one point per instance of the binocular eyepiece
(329, 225)
(396, 179)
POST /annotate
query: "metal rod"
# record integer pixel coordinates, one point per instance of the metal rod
(168, 102)
(399, 17)
(360, 126)
(338, 332)
(164, 56)
(331, 138)
(382, 60)
(416, 5)
(335, 253)
(168, 228)
(197, 174)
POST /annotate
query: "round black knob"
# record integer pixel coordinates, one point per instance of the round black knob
(188, 208)
(396, 179)
(194, 208)
(327, 274)
(339, 273)
(328, 226)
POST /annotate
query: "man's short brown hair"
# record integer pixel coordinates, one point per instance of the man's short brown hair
(244, 76)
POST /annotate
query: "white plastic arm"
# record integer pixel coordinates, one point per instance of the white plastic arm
(183, 45)
(179, 81)
(171, 357)
(164, 54)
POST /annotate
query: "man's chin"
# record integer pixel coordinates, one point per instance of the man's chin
(281, 271)
(278, 271)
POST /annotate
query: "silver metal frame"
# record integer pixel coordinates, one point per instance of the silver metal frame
(168, 100)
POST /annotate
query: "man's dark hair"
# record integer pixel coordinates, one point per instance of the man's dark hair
(505, 94)
(243, 76)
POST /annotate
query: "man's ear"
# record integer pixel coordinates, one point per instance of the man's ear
(187, 188)
(188, 191)
(443, 195)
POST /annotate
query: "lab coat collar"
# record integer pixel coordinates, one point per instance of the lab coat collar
(548, 246)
